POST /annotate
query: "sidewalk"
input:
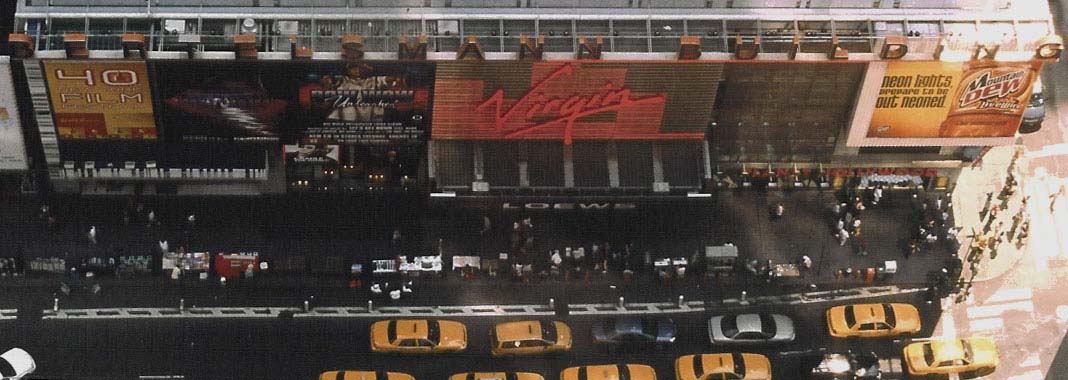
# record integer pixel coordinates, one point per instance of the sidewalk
(356, 233)
(975, 186)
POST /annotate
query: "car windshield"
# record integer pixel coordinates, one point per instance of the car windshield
(729, 326)
(850, 319)
(649, 326)
(433, 332)
(891, 318)
(928, 354)
(1037, 100)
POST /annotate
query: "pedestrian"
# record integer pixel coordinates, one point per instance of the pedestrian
(92, 234)
(249, 272)
(938, 203)
(848, 218)
(856, 227)
(806, 262)
(152, 218)
(837, 209)
(877, 195)
(776, 211)
(841, 225)
(843, 236)
(191, 220)
(487, 226)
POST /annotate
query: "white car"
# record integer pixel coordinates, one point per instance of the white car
(16, 363)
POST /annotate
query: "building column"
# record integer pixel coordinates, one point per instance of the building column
(479, 168)
(611, 155)
(569, 166)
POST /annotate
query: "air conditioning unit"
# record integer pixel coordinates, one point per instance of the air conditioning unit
(480, 186)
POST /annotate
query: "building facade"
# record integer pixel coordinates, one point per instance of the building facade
(540, 97)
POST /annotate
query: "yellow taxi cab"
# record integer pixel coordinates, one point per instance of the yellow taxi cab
(364, 375)
(952, 356)
(530, 338)
(496, 376)
(418, 336)
(873, 320)
(726, 366)
(609, 372)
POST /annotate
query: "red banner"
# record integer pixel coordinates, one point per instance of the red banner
(573, 100)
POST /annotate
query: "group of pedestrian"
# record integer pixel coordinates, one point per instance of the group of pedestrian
(847, 219)
(929, 222)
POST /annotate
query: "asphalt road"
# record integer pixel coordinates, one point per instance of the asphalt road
(301, 348)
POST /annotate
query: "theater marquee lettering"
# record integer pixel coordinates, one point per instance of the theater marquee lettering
(844, 172)
(569, 206)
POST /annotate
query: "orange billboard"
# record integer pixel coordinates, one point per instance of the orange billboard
(101, 99)
(976, 99)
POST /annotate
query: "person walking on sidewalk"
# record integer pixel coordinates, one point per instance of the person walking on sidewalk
(92, 234)
(776, 211)
(877, 195)
(856, 227)
(843, 237)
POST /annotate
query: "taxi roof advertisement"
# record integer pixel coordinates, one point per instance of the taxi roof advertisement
(978, 102)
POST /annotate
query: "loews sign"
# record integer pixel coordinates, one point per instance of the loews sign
(569, 206)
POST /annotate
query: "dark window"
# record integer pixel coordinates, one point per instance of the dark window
(850, 318)
(891, 319)
(767, 325)
(739, 363)
(729, 326)
(533, 343)
(650, 326)
(750, 335)
(868, 327)
(409, 343)
(433, 331)
(391, 331)
(548, 331)
(928, 354)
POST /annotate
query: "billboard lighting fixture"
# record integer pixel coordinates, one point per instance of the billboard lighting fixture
(448, 194)
(698, 195)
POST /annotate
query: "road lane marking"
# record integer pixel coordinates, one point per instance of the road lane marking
(1006, 295)
(949, 326)
(1029, 375)
(1032, 361)
(986, 324)
(977, 312)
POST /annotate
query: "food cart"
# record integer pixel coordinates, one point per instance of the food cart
(720, 260)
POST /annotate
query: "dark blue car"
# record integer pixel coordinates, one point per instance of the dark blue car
(634, 332)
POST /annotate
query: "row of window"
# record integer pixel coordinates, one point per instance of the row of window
(503, 35)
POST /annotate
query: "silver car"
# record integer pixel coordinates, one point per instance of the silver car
(750, 329)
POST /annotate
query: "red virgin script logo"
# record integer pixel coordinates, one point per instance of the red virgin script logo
(566, 109)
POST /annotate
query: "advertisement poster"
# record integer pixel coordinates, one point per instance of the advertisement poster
(253, 102)
(573, 100)
(101, 99)
(12, 146)
(980, 99)
(368, 103)
(312, 154)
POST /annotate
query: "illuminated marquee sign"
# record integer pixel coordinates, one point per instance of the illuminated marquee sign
(573, 100)
(101, 99)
